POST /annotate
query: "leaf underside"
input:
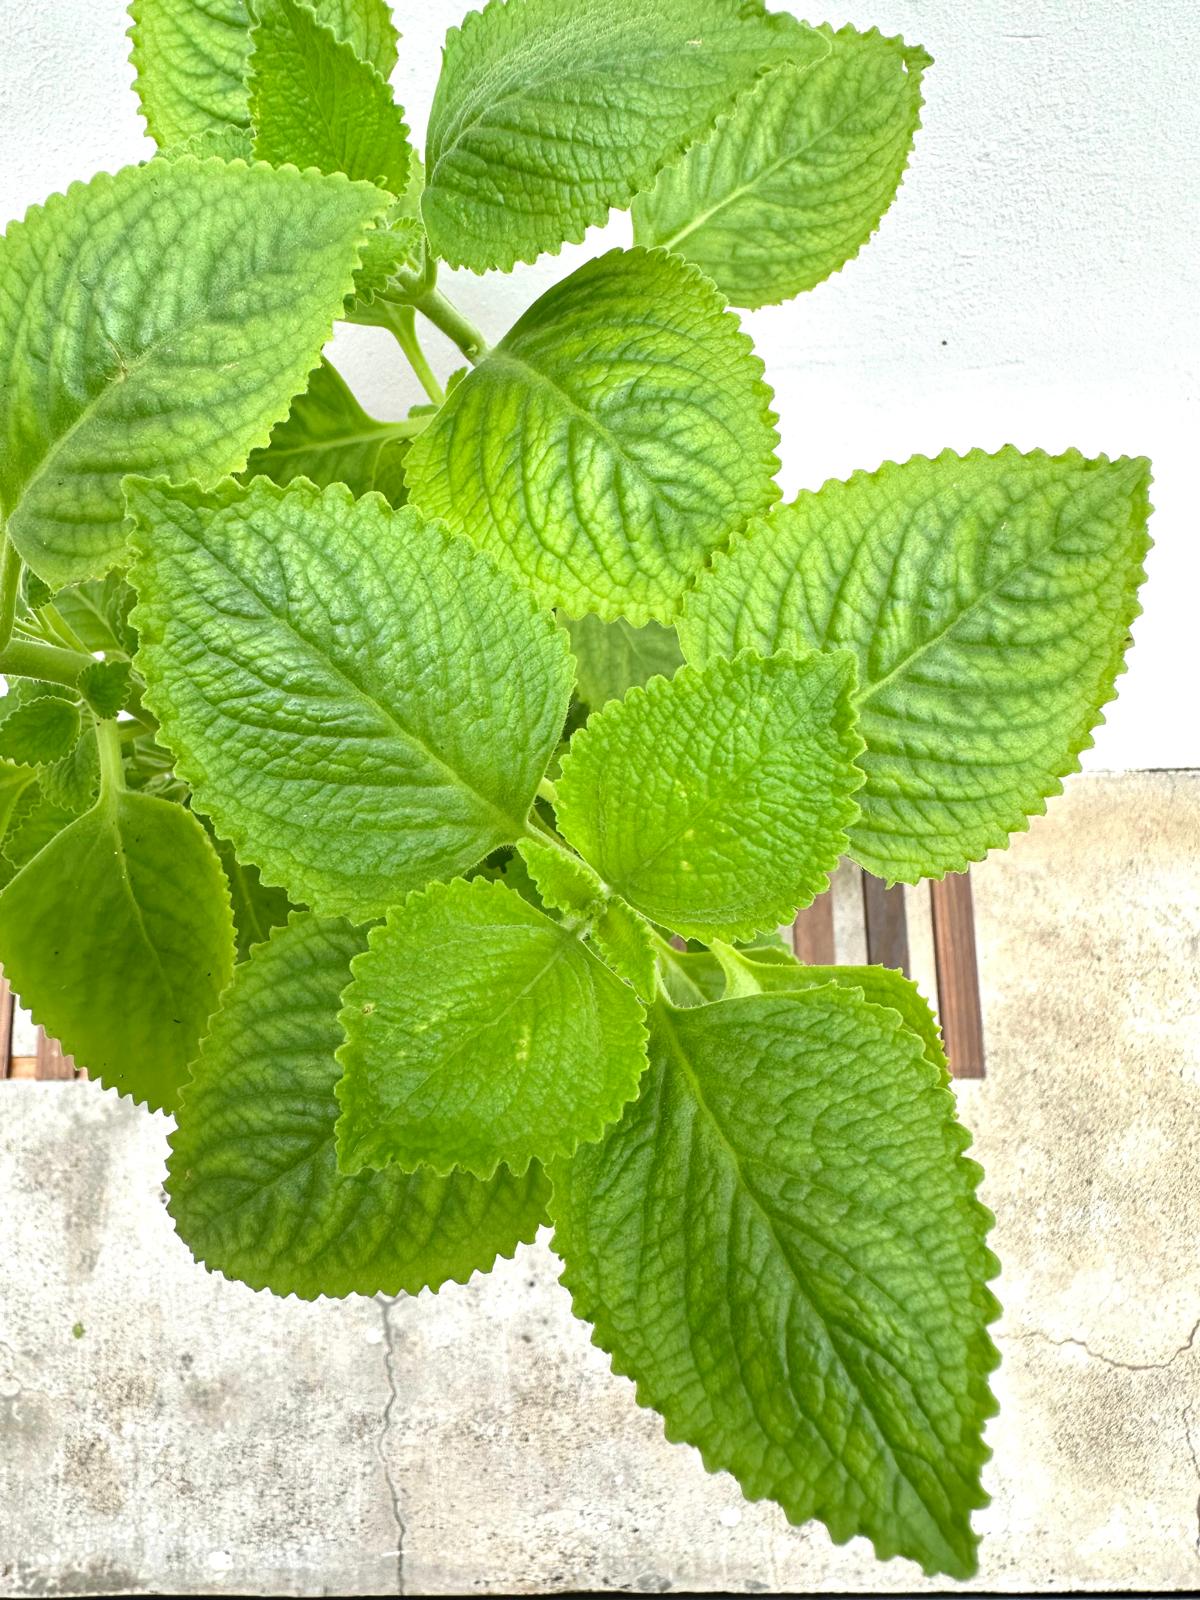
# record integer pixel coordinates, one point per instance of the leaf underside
(479, 1031)
(781, 1245)
(253, 1183)
(359, 701)
(987, 600)
(617, 435)
(613, 657)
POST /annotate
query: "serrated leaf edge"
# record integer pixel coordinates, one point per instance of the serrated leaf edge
(835, 1517)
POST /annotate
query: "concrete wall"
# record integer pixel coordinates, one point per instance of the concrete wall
(197, 1437)
(1036, 282)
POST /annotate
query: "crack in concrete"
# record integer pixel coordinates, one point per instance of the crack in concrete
(389, 1347)
(1111, 1361)
(1187, 1434)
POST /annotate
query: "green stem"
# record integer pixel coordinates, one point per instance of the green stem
(22, 658)
(548, 792)
(401, 322)
(10, 585)
(62, 629)
(453, 324)
(112, 767)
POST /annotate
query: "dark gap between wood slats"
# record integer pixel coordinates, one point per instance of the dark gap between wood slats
(812, 932)
(887, 929)
(958, 974)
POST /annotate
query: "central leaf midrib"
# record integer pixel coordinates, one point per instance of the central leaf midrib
(357, 689)
(663, 1018)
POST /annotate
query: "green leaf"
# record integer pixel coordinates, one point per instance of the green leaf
(105, 685)
(715, 802)
(546, 116)
(612, 657)
(618, 434)
(392, 268)
(39, 731)
(626, 942)
(316, 103)
(72, 783)
(257, 909)
(192, 58)
(329, 438)
(121, 295)
(228, 141)
(563, 882)
(360, 702)
(37, 821)
(780, 1243)
(478, 1031)
(253, 1182)
(118, 938)
(17, 784)
(793, 181)
(97, 612)
(988, 601)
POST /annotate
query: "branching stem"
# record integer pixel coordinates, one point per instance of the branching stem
(453, 324)
(401, 322)
(10, 584)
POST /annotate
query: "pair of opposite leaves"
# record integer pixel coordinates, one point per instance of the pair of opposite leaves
(776, 146)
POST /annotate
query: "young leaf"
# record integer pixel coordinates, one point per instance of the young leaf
(716, 802)
(546, 115)
(617, 435)
(257, 908)
(72, 783)
(563, 882)
(228, 141)
(171, 312)
(192, 57)
(38, 820)
(118, 937)
(97, 612)
(39, 731)
(478, 1031)
(360, 702)
(613, 657)
(988, 601)
(316, 103)
(793, 181)
(253, 1182)
(329, 438)
(17, 785)
(781, 1245)
(105, 685)
(626, 942)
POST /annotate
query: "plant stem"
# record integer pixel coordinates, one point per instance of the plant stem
(10, 584)
(61, 629)
(401, 322)
(112, 768)
(548, 792)
(23, 658)
(453, 324)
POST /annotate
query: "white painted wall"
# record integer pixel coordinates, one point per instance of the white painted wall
(1037, 282)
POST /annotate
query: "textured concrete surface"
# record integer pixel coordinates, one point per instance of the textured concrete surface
(196, 1437)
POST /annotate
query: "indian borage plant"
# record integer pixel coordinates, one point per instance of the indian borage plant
(296, 847)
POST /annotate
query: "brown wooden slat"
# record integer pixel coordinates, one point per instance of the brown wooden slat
(23, 1067)
(887, 929)
(51, 1063)
(812, 933)
(958, 974)
(6, 1016)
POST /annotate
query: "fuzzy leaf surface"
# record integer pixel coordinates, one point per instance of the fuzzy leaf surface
(478, 1031)
(360, 702)
(169, 313)
(793, 180)
(192, 58)
(253, 1182)
(329, 438)
(616, 435)
(780, 1243)
(257, 908)
(563, 882)
(39, 730)
(613, 657)
(716, 802)
(118, 937)
(546, 116)
(316, 103)
(987, 600)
